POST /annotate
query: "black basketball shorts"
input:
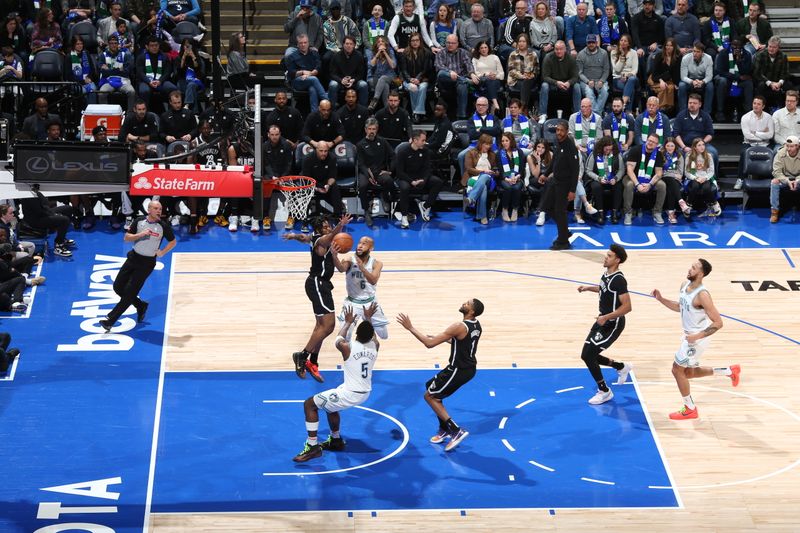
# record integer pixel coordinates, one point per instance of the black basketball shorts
(320, 293)
(449, 380)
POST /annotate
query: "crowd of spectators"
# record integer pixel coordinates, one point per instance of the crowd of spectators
(638, 84)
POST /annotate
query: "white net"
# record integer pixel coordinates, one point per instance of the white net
(299, 191)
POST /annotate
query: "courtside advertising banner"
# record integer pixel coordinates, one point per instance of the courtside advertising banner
(192, 180)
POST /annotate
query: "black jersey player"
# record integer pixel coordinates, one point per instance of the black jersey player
(463, 338)
(319, 290)
(615, 303)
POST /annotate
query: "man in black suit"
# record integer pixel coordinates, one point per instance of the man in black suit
(565, 174)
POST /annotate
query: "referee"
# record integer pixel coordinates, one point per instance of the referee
(145, 233)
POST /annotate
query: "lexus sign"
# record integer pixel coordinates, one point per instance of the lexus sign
(63, 162)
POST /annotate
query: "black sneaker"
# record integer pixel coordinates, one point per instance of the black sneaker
(141, 311)
(309, 452)
(333, 444)
(299, 364)
(68, 242)
(5, 362)
(62, 250)
(106, 324)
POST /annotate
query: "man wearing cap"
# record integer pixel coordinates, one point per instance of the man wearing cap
(336, 28)
(785, 174)
(593, 71)
(116, 67)
(303, 21)
(100, 134)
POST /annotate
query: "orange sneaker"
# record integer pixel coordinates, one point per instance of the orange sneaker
(314, 371)
(735, 371)
(684, 414)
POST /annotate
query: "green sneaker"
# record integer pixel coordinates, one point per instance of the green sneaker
(309, 452)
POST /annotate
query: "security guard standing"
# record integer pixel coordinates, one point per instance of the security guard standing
(565, 173)
(146, 234)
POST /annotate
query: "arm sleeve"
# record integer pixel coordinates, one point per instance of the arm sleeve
(194, 12)
(168, 233)
(291, 21)
(778, 169)
(392, 30)
(685, 69)
(400, 166)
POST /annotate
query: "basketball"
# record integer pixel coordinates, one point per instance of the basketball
(344, 241)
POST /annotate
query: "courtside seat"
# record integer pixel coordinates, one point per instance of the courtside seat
(757, 172)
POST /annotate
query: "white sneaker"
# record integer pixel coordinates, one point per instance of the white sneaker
(18, 307)
(254, 226)
(601, 397)
(658, 218)
(128, 222)
(404, 222)
(176, 220)
(233, 223)
(26, 300)
(739, 184)
(542, 118)
(540, 219)
(579, 219)
(622, 374)
(244, 220)
(398, 215)
(628, 219)
(686, 209)
(424, 212)
(716, 210)
(590, 209)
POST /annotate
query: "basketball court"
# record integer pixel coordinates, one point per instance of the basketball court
(190, 421)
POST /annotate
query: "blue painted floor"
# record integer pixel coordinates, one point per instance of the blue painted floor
(219, 438)
(450, 230)
(81, 406)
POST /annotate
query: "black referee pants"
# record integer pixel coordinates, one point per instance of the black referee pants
(129, 282)
(556, 201)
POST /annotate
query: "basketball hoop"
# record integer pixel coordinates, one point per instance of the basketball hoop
(299, 190)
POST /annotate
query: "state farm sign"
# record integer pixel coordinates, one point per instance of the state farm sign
(192, 180)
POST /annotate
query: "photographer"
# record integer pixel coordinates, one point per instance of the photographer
(12, 283)
(6, 356)
(40, 215)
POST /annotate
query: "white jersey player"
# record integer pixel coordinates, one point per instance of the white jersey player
(362, 273)
(359, 360)
(700, 319)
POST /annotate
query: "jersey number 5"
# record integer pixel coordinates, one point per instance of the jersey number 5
(364, 370)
